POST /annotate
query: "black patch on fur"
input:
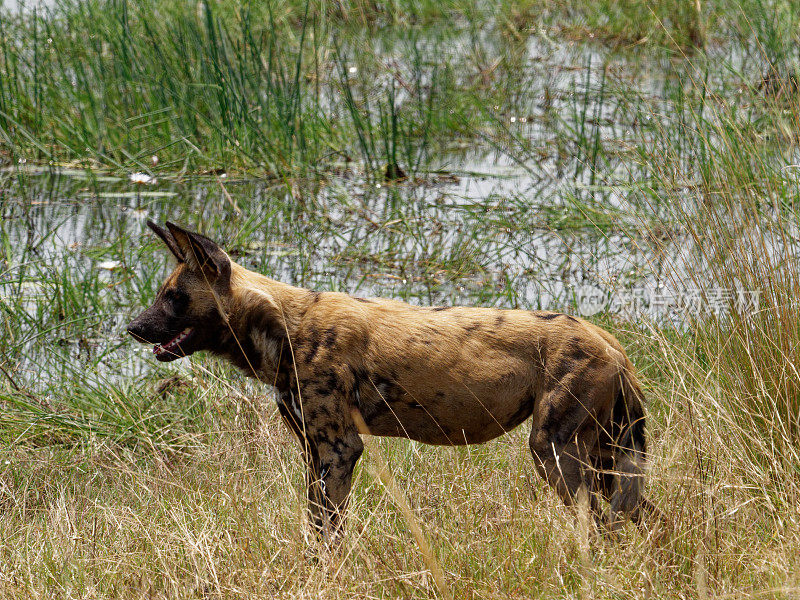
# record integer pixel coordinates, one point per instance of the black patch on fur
(563, 420)
(501, 318)
(339, 447)
(330, 338)
(328, 383)
(359, 376)
(285, 378)
(315, 296)
(251, 356)
(364, 300)
(362, 389)
(385, 388)
(375, 395)
(549, 317)
(577, 353)
(323, 391)
(314, 342)
(441, 308)
(568, 366)
(474, 327)
(321, 437)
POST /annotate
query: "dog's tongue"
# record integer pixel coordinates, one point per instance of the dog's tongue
(173, 343)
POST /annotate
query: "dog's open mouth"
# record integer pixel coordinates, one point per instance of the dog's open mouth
(171, 349)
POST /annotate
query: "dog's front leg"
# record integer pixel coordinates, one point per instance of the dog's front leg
(330, 475)
(331, 447)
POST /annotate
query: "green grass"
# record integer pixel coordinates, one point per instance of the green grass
(295, 89)
(546, 145)
(238, 87)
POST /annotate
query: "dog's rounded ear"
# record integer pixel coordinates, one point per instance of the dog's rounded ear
(200, 253)
(167, 238)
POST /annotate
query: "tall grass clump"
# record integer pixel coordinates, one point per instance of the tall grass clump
(676, 24)
(121, 82)
(729, 183)
(394, 117)
(716, 190)
(264, 88)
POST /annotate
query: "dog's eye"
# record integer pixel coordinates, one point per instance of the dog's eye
(178, 300)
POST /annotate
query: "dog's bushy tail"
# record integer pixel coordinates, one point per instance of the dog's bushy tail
(630, 449)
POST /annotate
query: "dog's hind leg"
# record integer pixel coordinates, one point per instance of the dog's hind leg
(566, 467)
(628, 446)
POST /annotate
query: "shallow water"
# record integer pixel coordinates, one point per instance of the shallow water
(77, 267)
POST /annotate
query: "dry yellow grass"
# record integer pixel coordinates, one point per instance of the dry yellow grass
(225, 519)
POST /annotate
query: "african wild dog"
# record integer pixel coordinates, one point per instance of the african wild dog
(438, 375)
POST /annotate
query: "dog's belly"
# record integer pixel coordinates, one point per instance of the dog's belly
(444, 420)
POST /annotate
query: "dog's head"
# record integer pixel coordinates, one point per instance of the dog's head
(189, 312)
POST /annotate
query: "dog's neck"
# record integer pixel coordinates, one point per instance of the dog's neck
(253, 292)
(263, 315)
